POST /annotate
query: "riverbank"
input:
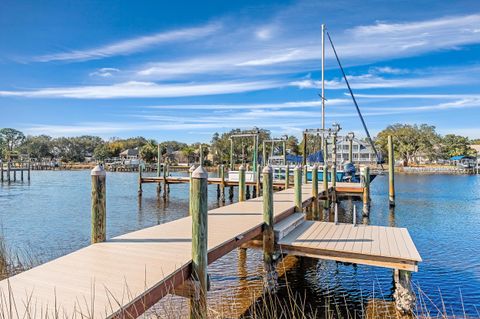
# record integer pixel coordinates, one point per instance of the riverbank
(435, 169)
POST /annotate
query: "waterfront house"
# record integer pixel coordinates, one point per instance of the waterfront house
(362, 151)
(129, 154)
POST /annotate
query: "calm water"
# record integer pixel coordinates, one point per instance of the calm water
(51, 216)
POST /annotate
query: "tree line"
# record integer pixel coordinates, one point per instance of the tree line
(410, 143)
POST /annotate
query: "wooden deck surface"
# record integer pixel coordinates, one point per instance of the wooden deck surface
(129, 273)
(371, 245)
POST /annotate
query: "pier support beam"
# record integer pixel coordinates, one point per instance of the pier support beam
(222, 183)
(315, 210)
(305, 177)
(391, 173)
(190, 173)
(242, 189)
(268, 234)
(99, 208)
(140, 190)
(365, 176)
(199, 206)
(297, 176)
(258, 183)
(287, 176)
(326, 201)
(403, 295)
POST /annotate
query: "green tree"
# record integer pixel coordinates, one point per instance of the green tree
(292, 145)
(11, 138)
(148, 152)
(454, 145)
(102, 152)
(409, 141)
(38, 147)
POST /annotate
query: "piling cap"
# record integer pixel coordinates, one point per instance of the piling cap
(315, 166)
(267, 170)
(200, 172)
(297, 168)
(242, 167)
(98, 171)
(192, 168)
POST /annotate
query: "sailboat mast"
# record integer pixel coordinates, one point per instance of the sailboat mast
(323, 77)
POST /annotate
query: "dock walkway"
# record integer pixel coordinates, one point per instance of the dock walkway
(125, 275)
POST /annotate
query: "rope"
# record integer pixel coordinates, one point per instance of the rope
(354, 101)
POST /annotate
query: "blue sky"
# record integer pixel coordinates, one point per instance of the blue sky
(186, 69)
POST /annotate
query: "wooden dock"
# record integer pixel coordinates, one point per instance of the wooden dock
(124, 276)
(8, 171)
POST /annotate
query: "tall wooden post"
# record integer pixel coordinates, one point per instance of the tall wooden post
(350, 150)
(232, 165)
(284, 146)
(140, 190)
(270, 280)
(99, 208)
(242, 189)
(29, 168)
(305, 177)
(190, 173)
(255, 153)
(222, 183)
(159, 154)
(297, 179)
(264, 153)
(199, 205)
(165, 181)
(258, 183)
(365, 175)
(334, 160)
(287, 176)
(304, 149)
(1, 171)
(326, 202)
(391, 173)
(268, 234)
(315, 210)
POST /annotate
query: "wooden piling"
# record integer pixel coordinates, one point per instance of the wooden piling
(222, 183)
(268, 235)
(165, 182)
(287, 176)
(1, 171)
(29, 168)
(326, 202)
(365, 175)
(258, 183)
(98, 209)
(297, 180)
(190, 173)
(140, 190)
(404, 296)
(305, 176)
(304, 149)
(199, 205)
(241, 184)
(391, 173)
(315, 210)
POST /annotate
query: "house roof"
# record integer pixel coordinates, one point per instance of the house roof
(129, 152)
(459, 157)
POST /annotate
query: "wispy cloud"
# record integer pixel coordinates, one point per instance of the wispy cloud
(125, 47)
(371, 81)
(144, 90)
(105, 72)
